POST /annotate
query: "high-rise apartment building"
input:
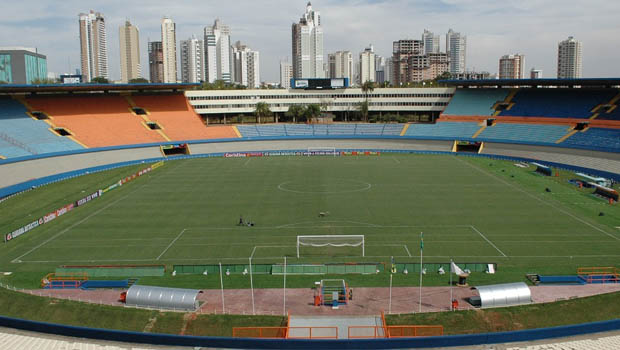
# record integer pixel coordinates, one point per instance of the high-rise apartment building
(536, 73)
(307, 45)
(569, 58)
(218, 52)
(22, 65)
(129, 43)
(379, 69)
(192, 60)
(511, 66)
(156, 62)
(341, 65)
(431, 42)
(169, 49)
(93, 46)
(402, 50)
(367, 65)
(286, 73)
(246, 66)
(456, 48)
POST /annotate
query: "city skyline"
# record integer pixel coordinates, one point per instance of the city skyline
(533, 30)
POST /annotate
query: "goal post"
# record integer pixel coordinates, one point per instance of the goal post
(331, 241)
(322, 151)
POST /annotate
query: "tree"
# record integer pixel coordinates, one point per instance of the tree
(100, 80)
(262, 111)
(362, 107)
(138, 81)
(367, 88)
(312, 111)
(295, 113)
(444, 76)
(43, 81)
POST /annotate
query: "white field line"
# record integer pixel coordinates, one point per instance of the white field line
(247, 161)
(407, 249)
(396, 160)
(253, 251)
(16, 260)
(171, 243)
(374, 256)
(488, 241)
(538, 199)
(322, 226)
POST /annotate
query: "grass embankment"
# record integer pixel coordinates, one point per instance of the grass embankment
(19, 305)
(596, 308)
(25, 306)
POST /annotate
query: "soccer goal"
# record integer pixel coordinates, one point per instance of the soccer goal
(322, 151)
(326, 241)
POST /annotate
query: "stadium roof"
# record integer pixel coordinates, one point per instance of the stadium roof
(587, 82)
(16, 88)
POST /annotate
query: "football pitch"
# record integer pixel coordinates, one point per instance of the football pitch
(187, 212)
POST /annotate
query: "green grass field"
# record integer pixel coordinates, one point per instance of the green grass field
(186, 212)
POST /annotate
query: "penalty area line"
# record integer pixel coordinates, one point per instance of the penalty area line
(171, 243)
(488, 241)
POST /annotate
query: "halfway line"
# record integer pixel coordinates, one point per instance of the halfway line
(171, 243)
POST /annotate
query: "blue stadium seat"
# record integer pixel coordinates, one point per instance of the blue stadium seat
(28, 136)
(595, 138)
(248, 130)
(392, 129)
(535, 133)
(369, 129)
(299, 130)
(341, 129)
(557, 103)
(272, 130)
(320, 129)
(444, 129)
(614, 115)
(475, 101)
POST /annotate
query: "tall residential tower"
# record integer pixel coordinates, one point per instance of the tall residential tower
(169, 50)
(129, 42)
(511, 66)
(192, 60)
(218, 52)
(156, 62)
(569, 59)
(456, 48)
(93, 46)
(307, 45)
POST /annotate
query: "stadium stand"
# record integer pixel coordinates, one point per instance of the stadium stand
(532, 133)
(557, 103)
(22, 135)
(96, 121)
(248, 130)
(271, 130)
(595, 138)
(341, 129)
(443, 129)
(177, 118)
(475, 101)
(299, 129)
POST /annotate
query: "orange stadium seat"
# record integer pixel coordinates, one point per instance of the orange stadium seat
(96, 121)
(177, 118)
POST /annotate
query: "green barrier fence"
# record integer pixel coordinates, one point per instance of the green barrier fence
(294, 269)
(215, 269)
(434, 267)
(111, 271)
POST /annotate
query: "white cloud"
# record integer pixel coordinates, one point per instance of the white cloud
(493, 28)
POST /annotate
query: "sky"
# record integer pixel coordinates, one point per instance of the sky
(493, 28)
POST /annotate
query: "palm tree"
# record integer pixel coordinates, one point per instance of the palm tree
(262, 110)
(367, 88)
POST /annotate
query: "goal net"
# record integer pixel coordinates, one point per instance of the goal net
(322, 151)
(324, 242)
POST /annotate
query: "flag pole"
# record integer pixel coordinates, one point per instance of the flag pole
(284, 306)
(222, 288)
(451, 308)
(390, 305)
(421, 268)
(252, 286)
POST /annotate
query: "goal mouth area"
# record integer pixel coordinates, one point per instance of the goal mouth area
(331, 241)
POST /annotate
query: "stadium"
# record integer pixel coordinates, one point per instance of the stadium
(256, 231)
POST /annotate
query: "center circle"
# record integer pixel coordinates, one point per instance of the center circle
(331, 187)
